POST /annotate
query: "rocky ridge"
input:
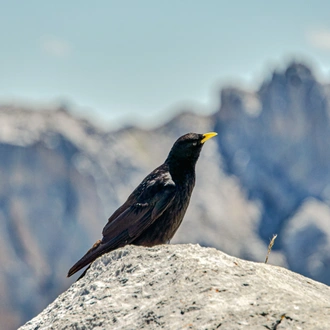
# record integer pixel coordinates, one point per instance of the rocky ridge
(186, 287)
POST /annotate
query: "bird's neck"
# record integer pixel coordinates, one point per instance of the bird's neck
(181, 170)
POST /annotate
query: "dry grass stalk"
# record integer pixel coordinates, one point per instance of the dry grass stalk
(271, 243)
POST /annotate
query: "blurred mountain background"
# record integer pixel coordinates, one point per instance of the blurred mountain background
(93, 96)
(267, 172)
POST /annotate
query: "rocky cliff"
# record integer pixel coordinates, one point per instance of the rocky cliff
(186, 287)
(267, 172)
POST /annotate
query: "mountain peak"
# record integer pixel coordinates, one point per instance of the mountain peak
(298, 73)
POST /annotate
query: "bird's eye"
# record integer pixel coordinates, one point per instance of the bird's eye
(194, 144)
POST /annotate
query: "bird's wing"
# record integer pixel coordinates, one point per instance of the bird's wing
(151, 204)
(132, 221)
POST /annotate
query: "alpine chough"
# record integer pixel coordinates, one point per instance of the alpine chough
(154, 211)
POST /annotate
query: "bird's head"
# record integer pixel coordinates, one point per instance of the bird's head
(187, 148)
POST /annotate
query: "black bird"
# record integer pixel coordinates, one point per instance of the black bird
(155, 209)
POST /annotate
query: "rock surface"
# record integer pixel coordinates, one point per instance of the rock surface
(186, 287)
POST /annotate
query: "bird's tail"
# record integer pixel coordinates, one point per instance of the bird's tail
(83, 273)
(90, 256)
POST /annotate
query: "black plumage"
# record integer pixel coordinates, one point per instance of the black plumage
(155, 209)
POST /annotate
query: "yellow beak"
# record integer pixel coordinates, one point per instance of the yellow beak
(208, 136)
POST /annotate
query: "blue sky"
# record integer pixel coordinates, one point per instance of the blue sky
(140, 61)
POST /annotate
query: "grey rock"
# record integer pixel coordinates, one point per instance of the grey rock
(186, 287)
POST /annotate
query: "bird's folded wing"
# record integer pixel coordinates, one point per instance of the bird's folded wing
(136, 218)
(128, 225)
(163, 201)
